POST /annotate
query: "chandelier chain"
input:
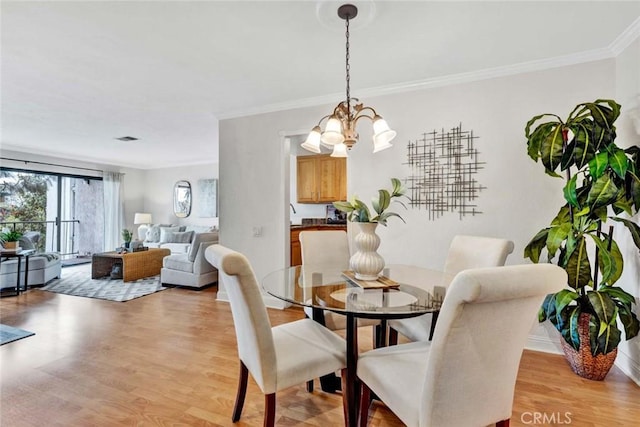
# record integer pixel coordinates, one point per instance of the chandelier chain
(347, 66)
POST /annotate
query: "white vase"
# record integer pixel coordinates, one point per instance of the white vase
(366, 262)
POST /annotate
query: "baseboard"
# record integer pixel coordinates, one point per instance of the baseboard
(222, 295)
(543, 344)
(269, 301)
(630, 367)
(626, 364)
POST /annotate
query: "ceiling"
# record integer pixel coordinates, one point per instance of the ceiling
(77, 75)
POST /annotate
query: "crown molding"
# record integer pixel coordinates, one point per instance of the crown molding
(96, 162)
(100, 163)
(454, 79)
(627, 37)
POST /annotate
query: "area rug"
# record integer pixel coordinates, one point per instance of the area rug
(9, 334)
(77, 281)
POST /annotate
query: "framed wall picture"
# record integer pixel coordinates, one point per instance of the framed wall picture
(208, 198)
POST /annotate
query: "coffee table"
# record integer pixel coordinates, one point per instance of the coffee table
(135, 265)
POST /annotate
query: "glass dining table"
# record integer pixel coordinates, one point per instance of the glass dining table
(325, 288)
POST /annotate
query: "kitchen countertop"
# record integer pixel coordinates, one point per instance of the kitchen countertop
(300, 226)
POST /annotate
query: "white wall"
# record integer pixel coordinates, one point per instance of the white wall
(144, 190)
(520, 198)
(158, 193)
(252, 163)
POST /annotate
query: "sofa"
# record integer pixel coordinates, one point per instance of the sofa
(43, 267)
(176, 238)
(190, 268)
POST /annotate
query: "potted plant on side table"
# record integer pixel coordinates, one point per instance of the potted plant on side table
(600, 179)
(127, 235)
(10, 239)
(366, 262)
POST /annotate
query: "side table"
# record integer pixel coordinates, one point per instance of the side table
(20, 254)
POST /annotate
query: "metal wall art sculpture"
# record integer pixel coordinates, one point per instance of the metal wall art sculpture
(443, 168)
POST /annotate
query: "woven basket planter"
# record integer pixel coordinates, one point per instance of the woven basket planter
(582, 361)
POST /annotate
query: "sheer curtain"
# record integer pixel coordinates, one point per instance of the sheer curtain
(113, 209)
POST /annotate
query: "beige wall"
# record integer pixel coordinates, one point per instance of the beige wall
(144, 190)
(158, 193)
(519, 200)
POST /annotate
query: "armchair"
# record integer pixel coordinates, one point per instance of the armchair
(191, 269)
(43, 267)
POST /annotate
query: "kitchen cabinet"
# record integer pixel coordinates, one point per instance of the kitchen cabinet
(296, 253)
(321, 179)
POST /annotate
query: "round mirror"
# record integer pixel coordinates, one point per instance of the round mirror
(182, 199)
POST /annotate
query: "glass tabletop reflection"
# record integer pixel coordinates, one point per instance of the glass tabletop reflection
(328, 289)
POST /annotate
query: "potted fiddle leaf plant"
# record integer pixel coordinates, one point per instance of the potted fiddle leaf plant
(366, 262)
(602, 182)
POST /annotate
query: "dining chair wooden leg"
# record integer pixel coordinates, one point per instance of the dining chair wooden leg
(381, 334)
(503, 423)
(269, 410)
(393, 336)
(345, 402)
(365, 402)
(310, 386)
(434, 319)
(242, 391)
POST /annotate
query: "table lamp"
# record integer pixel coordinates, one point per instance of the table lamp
(143, 219)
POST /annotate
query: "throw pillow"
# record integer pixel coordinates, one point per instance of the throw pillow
(180, 237)
(165, 232)
(26, 243)
(153, 234)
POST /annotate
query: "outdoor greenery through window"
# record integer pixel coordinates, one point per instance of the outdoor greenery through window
(66, 211)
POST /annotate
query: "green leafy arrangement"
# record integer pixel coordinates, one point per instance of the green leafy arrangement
(357, 211)
(600, 178)
(127, 235)
(10, 236)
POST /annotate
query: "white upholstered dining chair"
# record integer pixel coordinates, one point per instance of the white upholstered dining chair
(465, 252)
(322, 250)
(466, 376)
(277, 357)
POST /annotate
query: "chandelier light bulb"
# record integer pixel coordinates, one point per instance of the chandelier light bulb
(332, 134)
(312, 143)
(382, 134)
(339, 150)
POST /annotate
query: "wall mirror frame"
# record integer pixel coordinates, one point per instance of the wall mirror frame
(182, 199)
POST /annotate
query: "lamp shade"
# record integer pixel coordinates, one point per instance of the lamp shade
(312, 143)
(332, 134)
(339, 150)
(142, 218)
(381, 132)
(380, 144)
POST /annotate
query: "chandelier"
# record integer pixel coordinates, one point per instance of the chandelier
(340, 130)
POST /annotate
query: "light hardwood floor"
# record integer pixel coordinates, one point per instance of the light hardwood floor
(169, 359)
